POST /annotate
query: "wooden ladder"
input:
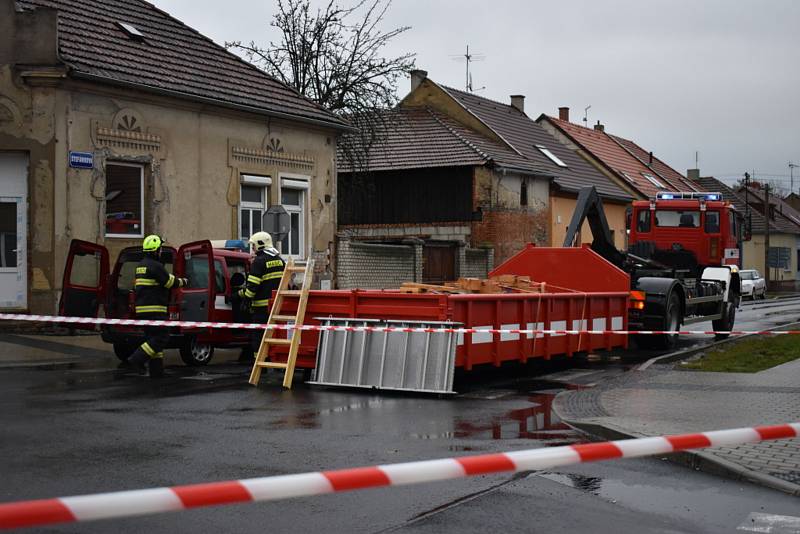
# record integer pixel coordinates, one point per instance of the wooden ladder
(275, 317)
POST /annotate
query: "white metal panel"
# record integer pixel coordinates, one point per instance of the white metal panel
(14, 192)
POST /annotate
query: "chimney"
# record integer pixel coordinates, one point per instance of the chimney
(518, 101)
(599, 127)
(417, 77)
(651, 158)
(563, 114)
(693, 174)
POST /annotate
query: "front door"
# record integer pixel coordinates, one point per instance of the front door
(439, 263)
(195, 261)
(13, 236)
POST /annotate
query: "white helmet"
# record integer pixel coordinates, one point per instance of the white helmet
(260, 241)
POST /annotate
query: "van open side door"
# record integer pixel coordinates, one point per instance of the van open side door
(85, 284)
(195, 261)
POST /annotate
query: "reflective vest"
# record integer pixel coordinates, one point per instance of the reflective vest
(152, 285)
(265, 276)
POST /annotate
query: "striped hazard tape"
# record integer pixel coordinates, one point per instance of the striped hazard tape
(319, 328)
(151, 501)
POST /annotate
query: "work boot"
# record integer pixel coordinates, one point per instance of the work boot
(156, 367)
(138, 360)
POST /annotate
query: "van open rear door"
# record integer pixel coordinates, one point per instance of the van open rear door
(85, 282)
(195, 261)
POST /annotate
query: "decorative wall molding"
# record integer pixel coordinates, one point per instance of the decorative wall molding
(266, 157)
(130, 140)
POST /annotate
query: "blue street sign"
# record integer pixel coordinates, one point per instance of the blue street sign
(81, 160)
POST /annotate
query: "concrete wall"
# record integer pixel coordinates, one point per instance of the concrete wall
(193, 157)
(562, 208)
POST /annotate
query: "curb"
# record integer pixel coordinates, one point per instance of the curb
(706, 462)
(686, 353)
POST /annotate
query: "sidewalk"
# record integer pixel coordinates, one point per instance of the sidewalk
(22, 350)
(661, 401)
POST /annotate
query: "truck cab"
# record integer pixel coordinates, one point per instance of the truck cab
(686, 231)
(92, 288)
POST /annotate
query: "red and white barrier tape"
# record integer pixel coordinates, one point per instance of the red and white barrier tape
(340, 328)
(155, 500)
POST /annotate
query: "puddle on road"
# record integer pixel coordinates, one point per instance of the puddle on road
(537, 421)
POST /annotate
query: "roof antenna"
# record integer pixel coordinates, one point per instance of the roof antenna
(586, 115)
(469, 58)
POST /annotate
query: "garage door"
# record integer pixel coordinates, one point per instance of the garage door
(13, 224)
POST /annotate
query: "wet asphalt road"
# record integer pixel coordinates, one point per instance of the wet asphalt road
(92, 427)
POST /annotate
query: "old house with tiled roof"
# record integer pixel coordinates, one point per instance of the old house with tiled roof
(629, 165)
(784, 228)
(510, 126)
(117, 120)
(420, 207)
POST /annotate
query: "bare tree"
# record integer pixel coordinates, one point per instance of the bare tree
(333, 55)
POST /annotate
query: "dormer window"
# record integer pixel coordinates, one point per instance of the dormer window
(132, 31)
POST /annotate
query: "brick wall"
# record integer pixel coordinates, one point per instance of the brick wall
(376, 266)
(508, 230)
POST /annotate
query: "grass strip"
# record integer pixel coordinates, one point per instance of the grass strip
(749, 355)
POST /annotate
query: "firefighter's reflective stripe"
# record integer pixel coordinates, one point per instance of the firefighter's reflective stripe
(249, 294)
(260, 303)
(158, 355)
(148, 349)
(272, 276)
(170, 282)
(254, 279)
(145, 282)
(155, 308)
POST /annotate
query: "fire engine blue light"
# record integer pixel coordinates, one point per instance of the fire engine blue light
(712, 197)
(237, 243)
(665, 196)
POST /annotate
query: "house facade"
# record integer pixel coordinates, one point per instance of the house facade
(117, 124)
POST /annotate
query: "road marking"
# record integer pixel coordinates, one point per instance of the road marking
(771, 523)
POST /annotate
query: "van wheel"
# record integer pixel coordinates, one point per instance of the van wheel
(196, 354)
(123, 350)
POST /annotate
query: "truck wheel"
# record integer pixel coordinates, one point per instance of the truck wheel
(123, 350)
(726, 321)
(672, 322)
(196, 354)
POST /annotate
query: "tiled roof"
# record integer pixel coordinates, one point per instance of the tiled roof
(171, 58)
(411, 138)
(787, 219)
(613, 155)
(676, 179)
(524, 135)
(780, 224)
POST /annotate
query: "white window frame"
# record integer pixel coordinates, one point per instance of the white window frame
(303, 183)
(264, 182)
(555, 159)
(141, 196)
(652, 179)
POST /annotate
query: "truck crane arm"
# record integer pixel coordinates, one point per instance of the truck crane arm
(589, 207)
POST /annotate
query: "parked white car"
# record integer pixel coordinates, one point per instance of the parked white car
(753, 284)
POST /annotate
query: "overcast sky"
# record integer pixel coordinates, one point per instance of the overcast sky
(721, 77)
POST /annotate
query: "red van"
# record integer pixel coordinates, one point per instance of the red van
(91, 288)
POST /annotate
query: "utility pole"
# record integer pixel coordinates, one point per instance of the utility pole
(767, 274)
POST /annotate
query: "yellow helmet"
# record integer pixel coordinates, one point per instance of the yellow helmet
(260, 241)
(151, 243)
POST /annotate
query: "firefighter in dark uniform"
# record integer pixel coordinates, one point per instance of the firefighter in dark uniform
(152, 287)
(265, 275)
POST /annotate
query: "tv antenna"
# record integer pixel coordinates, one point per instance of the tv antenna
(469, 58)
(792, 167)
(586, 115)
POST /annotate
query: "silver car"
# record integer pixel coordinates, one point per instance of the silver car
(753, 284)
